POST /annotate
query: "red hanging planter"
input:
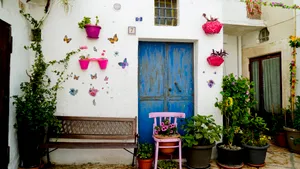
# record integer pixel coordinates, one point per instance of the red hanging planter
(216, 57)
(212, 26)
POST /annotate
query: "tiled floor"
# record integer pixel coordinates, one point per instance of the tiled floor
(277, 158)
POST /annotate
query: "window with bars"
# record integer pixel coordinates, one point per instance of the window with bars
(166, 12)
(263, 35)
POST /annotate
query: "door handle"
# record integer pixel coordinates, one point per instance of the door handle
(177, 87)
(170, 89)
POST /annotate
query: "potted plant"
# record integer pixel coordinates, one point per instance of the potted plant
(292, 127)
(92, 31)
(254, 141)
(167, 164)
(84, 62)
(216, 58)
(166, 130)
(238, 99)
(145, 155)
(277, 131)
(36, 104)
(103, 62)
(201, 135)
(212, 25)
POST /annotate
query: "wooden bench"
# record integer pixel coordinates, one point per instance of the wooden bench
(122, 131)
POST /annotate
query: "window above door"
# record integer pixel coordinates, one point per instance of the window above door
(166, 12)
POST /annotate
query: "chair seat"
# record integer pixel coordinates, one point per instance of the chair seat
(166, 140)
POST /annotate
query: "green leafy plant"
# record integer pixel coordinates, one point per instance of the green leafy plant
(86, 21)
(253, 132)
(166, 128)
(145, 151)
(200, 131)
(167, 164)
(82, 57)
(238, 99)
(36, 105)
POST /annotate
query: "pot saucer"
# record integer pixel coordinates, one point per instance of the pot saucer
(223, 166)
(198, 168)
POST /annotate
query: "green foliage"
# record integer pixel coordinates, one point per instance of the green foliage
(167, 164)
(253, 132)
(145, 151)
(87, 20)
(296, 123)
(36, 105)
(277, 123)
(238, 99)
(82, 57)
(201, 130)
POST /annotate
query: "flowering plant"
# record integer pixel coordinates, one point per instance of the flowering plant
(166, 128)
(294, 41)
(221, 53)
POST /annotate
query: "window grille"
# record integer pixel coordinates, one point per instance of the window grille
(263, 35)
(166, 12)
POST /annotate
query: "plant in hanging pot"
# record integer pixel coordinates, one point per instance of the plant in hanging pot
(103, 62)
(254, 141)
(292, 127)
(145, 155)
(216, 58)
(84, 62)
(166, 130)
(36, 104)
(212, 25)
(92, 31)
(238, 94)
(201, 135)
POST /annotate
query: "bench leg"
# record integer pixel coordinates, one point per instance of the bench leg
(48, 158)
(134, 155)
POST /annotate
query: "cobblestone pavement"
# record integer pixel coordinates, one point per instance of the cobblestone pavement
(277, 158)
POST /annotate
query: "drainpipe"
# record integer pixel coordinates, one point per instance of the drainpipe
(239, 55)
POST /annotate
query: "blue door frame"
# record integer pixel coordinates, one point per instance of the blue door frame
(166, 82)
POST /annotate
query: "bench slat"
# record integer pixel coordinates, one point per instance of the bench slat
(87, 145)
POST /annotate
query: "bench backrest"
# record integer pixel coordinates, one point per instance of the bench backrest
(97, 128)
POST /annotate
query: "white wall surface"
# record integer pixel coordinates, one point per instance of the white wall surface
(19, 63)
(232, 60)
(119, 98)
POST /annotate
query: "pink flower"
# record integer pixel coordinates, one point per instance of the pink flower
(156, 132)
(172, 126)
(102, 54)
(171, 131)
(165, 128)
(83, 47)
(162, 123)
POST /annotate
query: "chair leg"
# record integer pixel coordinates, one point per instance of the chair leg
(156, 154)
(134, 155)
(180, 157)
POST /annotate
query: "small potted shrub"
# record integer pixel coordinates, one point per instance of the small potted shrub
(277, 131)
(167, 164)
(212, 25)
(238, 94)
(145, 155)
(216, 58)
(92, 31)
(254, 141)
(84, 62)
(166, 130)
(201, 135)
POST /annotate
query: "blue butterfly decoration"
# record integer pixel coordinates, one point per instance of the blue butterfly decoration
(124, 63)
(73, 91)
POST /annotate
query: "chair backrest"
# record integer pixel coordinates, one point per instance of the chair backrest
(160, 116)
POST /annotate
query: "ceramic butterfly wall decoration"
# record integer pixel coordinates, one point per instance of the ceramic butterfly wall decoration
(114, 39)
(116, 53)
(93, 91)
(95, 49)
(94, 102)
(124, 63)
(94, 76)
(76, 77)
(73, 91)
(66, 39)
(210, 83)
(106, 78)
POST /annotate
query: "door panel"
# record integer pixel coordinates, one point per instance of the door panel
(5, 50)
(160, 66)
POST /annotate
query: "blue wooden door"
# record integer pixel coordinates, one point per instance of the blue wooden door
(165, 82)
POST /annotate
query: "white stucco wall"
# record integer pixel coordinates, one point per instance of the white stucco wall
(122, 87)
(19, 63)
(232, 61)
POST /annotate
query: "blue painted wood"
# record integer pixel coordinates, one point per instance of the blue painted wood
(165, 82)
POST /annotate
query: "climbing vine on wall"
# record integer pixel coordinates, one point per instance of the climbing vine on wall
(271, 4)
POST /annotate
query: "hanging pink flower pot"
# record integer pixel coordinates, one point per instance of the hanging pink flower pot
(215, 60)
(92, 31)
(216, 57)
(212, 26)
(84, 63)
(102, 63)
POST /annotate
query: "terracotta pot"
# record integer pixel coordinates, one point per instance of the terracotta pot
(280, 139)
(145, 163)
(167, 150)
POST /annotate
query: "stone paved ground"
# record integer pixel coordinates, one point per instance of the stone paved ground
(277, 158)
